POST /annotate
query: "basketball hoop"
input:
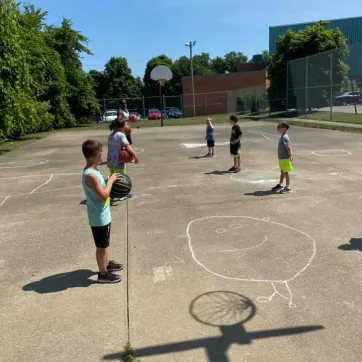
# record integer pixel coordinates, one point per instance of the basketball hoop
(162, 82)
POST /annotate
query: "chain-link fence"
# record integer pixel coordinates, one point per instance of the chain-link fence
(317, 85)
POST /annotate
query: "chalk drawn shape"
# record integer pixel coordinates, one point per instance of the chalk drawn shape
(332, 153)
(256, 177)
(198, 145)
(262, 251)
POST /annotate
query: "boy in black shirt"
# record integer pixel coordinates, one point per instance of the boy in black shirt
(236, 134)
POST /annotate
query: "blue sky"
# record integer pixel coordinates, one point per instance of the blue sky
(141, 29)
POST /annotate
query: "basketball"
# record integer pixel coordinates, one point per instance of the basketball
(121, 188)
(125, 156)
(133, 118)
(127, 130)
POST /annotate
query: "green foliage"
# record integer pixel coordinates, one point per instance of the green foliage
(128, 355)
(313, 40)
(219, 65)
(233, 59)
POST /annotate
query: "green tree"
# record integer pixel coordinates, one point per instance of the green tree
(119, 81)
(18, 110)
(219, 65)
(233, 59)
(70, 45)
(313, 40)
(47, 77)
(99, 83)
(151, 88)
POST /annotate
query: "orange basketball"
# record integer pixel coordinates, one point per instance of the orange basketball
(133, 118)
(127, 130)
(125, 156)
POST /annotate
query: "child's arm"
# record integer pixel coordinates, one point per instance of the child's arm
(102, 194)
(289, 151)
(132, 152)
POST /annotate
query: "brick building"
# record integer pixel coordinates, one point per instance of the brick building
(216, 94)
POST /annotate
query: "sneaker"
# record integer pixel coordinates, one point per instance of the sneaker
(208, 155)
(286, 190)
(108, 278)
(114, 266)
(237, 169)
(213, 155)
(277, 188)
(232, 169)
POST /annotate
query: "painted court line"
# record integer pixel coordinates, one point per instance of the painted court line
(45, 183)
(266, 135)
(37, 163)
(54, 174)
(332, 153)
(3, 202)
(196, 145)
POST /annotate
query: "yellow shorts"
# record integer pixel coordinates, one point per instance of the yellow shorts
(285, 165)
(117, 170)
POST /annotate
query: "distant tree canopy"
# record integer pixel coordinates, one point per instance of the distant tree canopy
(295, 45)
(42, 84)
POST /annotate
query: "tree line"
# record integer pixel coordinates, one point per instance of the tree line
(43, 85)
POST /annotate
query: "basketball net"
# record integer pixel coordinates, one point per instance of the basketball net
(162, 82)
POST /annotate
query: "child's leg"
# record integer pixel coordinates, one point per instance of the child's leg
(209, 150)
(212, 150)
(102, 259)
(282, 175)
(287, 178)
(238, 161)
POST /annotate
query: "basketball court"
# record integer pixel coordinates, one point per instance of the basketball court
(219, 269)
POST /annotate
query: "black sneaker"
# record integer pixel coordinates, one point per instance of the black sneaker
(114, 266)
(237, 169)
(208, 155)
(277, 188)
(108, 278)
(232, 169)
(286, 190)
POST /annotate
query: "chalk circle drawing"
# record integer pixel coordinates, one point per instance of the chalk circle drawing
(23, 164)
(332, 153)
(268, 136)
(197, 145)
(257, 177)
(264, 252)
(220, 231)
(139, 150)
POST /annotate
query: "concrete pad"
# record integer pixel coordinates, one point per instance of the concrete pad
(220, 269)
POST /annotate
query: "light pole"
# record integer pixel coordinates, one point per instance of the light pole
(191, 44)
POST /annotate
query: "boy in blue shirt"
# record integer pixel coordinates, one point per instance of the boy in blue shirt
(98, 208)
(210, 138)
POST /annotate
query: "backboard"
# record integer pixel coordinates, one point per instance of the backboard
(161, 73)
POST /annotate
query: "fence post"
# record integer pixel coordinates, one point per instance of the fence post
(143, 107)
(306, 88)
(181, 103)
(104, 105)
(331, 90)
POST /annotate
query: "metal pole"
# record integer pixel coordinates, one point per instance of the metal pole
(143, 107)
(161, 104)
(306, 87)
(287, 95)
(192, 79)
(331, 90)
(354, 99)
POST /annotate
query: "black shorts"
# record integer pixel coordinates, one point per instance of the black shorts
(101, 235)
(129, 139)
(211, 143)
(235, 150)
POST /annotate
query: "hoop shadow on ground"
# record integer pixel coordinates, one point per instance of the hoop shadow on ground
(63, 281)
(260, 193)
(355, 244)
(227, 311)
(218, 172)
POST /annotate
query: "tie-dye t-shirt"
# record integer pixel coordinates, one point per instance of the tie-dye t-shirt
(116, 142)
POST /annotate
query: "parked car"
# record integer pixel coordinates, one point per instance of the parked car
(154, 114)
(109, 115)
(347, 98)
(174, 113)
(139, 118)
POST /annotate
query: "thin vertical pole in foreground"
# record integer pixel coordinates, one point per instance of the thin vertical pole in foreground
(161, 103)
(331, 90)
(306, 87)
(128, 310)
(287, 95)
(143, 107)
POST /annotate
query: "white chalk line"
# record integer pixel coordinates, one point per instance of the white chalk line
(251, 180)
(343, 153)
(252, 247)
(276, 292)
(54, 174)
(39, 162)
(314, 250)
(265, 135)
(3, 202)
(45, 183)
(139, 150)
(197, 145)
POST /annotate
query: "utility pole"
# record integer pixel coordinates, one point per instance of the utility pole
(191, 44)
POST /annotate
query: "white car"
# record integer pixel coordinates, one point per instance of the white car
(109, 116)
